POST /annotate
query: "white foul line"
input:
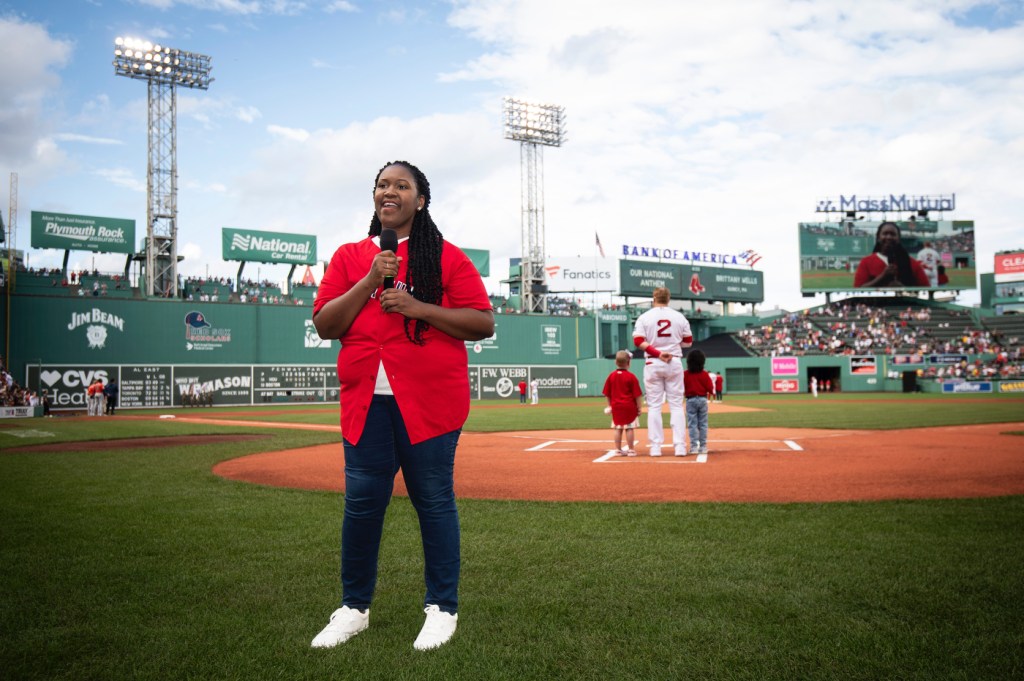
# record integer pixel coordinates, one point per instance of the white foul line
(542, 446)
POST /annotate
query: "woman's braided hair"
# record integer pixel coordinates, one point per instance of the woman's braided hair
(423, 271)
(899, 255)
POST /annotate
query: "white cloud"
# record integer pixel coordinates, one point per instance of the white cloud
(340, 6)
(30, 59)
(237, 7)
(122, 177)
(293, 134)
(85, 139)
(248, 114)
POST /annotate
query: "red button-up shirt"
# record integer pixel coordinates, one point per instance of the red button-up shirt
(430, 381)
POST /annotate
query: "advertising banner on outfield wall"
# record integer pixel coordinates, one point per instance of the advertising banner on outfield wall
(82, 233)
(268, 247)
(863, 364)
(785, 385)
(501, 382)
(785, 366)
(961, 387)
(66, 385)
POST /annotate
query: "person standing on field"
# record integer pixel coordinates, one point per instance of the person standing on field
(403, 301)
(624, 395)
(662, 333)
(535, 391)
(699, 386)
(111, 392)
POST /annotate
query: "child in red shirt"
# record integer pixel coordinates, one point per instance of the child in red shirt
(698, 385)
(623, 392)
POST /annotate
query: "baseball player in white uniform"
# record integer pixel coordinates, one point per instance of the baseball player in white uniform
(662, 333)
(930, 261)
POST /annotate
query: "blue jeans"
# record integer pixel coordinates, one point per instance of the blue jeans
(697, 420)
(428, 469)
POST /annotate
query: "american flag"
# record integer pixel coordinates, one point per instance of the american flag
(600, 248)
(751, 257)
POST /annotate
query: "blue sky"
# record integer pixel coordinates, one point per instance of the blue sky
(709, 126)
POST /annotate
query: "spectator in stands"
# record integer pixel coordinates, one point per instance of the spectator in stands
(889, 265)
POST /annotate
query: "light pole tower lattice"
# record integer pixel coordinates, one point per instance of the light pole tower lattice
(533, 125)
(165, 69)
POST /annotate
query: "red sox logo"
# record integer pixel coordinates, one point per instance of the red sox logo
(696, 288)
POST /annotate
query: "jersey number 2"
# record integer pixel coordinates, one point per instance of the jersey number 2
(663, 328)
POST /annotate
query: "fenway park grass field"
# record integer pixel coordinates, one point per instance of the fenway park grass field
(139, 563)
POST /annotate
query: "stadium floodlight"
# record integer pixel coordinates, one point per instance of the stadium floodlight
(533, 125)
(164, 69)
(143, 60)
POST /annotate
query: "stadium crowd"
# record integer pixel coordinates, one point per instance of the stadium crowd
(858, 328)
(13, 395)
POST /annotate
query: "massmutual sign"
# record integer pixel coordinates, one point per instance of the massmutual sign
(268, 247)
(890, 203)
(82, 232)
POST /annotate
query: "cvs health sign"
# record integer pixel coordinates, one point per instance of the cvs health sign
(66, 384)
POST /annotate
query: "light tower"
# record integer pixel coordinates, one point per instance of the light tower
(533, 125)
(165, 69)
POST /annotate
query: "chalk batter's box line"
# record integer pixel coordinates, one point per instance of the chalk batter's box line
(611, 456)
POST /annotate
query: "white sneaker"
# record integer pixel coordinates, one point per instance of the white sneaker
(345, 623)
(681, 450)
(437, 630)
(703, 449)
(655, 451)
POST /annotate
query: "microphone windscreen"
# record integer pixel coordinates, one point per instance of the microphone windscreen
(389, 242)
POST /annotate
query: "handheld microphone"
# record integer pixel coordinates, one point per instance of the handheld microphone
(389, 242)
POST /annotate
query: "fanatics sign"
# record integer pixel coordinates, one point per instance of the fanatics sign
(582, 274)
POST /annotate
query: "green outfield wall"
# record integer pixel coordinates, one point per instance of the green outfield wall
(162, 350)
